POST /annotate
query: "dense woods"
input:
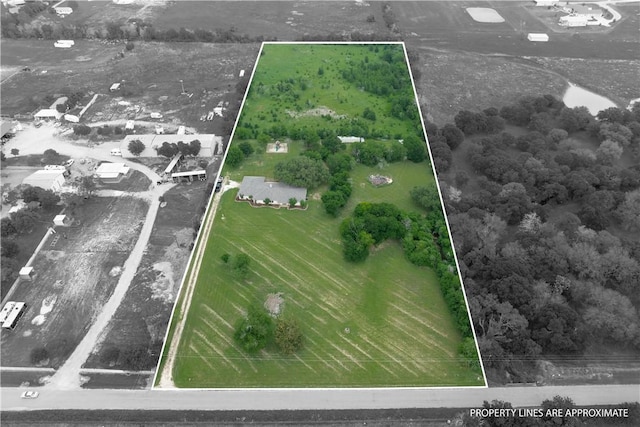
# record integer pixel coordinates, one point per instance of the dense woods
(544, 205)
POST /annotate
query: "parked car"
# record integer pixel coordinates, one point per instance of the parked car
(218, 184)
(69, 162)
(29, 394)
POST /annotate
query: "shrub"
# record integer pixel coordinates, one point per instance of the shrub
(39, 356)
(288, 336)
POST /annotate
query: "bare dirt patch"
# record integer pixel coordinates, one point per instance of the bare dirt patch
(274, 303)
(315, 112)
(379, 180)
(278, 147)
(139, 325)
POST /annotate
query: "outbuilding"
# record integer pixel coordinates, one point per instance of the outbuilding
(538, 37)
(47, 179)
(48, 114)
(350, 139)
(6, 130)
(574, 21)
(114, 87)
(62, 11)
(27, 273)
(189, 176)
(112, 172)
(547, 2)
(61, 220)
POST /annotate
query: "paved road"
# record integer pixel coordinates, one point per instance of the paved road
(298, 399)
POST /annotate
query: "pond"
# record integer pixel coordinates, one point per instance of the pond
(575, 96)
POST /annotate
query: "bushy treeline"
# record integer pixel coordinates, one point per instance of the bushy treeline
(424, 239)
(24, 25)
(18, 224)
(545, 226)
(385, 74)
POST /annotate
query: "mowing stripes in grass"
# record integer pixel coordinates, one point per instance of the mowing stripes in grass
(379, 322)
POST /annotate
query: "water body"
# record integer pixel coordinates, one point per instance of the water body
(575, 96)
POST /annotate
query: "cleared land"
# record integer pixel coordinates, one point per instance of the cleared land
(133, 339)
(382, 322)
(77, 271)
(152, 72)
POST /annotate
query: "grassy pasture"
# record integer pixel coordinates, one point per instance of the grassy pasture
(380, 323)
(300, 65)
(400, 332)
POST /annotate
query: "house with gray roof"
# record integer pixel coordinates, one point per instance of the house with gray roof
(257, 189)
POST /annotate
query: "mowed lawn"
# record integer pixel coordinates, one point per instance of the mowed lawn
(383, 322)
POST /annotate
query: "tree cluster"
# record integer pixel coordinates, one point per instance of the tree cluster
(545, 266)
(302, 171)
(169, 150)
(425, 242)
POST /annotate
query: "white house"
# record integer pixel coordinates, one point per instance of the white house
(48, 179)
(574, 21)
(112, 172)
(257, 190)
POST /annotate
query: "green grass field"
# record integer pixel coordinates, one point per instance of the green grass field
(383, 322)
(288, 82)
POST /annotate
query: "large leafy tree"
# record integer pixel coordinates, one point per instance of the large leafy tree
(136, 147)
(254, 332)
(416, 148)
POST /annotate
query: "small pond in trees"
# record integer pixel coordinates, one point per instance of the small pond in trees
(575, 96)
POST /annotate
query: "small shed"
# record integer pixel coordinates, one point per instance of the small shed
(114, 87)
(538, 37)
(27, 273)
(61, 220)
